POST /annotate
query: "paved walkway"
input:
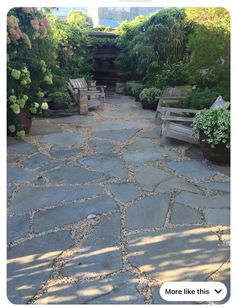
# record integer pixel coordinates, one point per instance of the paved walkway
(100, 212)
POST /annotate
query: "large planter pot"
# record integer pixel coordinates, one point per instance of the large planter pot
(149, 106)
(219, 153)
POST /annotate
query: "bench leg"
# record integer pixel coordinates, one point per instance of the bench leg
(83, 105)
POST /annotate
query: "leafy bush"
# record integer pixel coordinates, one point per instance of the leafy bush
(60, 97)
(200, 99)
(215, 124)
(136, 90)
(29, 60)
(149, 95)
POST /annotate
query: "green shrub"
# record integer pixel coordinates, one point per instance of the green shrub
(60, 97)
(215, 124)
(200, 99)
(149, 95)
(136, 90)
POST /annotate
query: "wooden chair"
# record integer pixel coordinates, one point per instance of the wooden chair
(176, 121)
(170, 96)
(85, 96)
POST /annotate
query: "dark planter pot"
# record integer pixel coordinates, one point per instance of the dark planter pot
(149, 106)
(219, 153)
(57, 105)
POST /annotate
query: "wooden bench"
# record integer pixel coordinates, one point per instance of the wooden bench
(176, 121)
(84, 96)
(170, 96)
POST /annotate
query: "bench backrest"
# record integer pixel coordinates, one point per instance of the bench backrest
(79, 84)
(220, 103)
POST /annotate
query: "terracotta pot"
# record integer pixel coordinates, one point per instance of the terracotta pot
(219, 153)
(23, 120)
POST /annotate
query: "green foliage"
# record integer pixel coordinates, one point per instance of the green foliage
(171, 75)
(30, 58)
(215, 124)
(60, 97)
(137, 89)
(149, 95)
(209, 45)
(153, 42)
(200, 99)
(79, 19)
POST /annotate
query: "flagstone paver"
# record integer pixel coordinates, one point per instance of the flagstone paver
(109, 164)
(73, 174)
(35, 161)
(30, 264)
(100, 254)
(181, 214)
(95, 203)
(125, 192)
(177, 254)
(16, 174)
(148, 212)
(31, 198)
(17, 227)
(201, 201)
(62, 139)
(118, 289)
(68, 214)
(192, 169)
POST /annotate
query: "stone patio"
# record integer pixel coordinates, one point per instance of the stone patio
(99, 212)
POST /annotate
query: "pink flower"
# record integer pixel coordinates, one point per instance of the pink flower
(44, 22)
(35, 24)
(15, 34)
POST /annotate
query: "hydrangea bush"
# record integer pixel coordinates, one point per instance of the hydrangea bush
(29, 75)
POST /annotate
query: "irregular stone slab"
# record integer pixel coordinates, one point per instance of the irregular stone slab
(100, 254)
(59, 152)
(194, 152)
(20, 147)
(190, 168)
(119, 289)
(217, 217)
(10, 190)
(30, 198)
(125, 192)
(117, 135)
(62, 139)
(201, 201)
(177, 254)
(112, 114)
(181, 214)
(223, 169)
(148, 212)
(175, 184)
(107, 163)
(218, 186)
(30, 264)
(152, 134)
(35, 161)
(72, 213)
(44, 126)
(144, 145)
(16, 174)
(101, 146)
(73, 174)
(149, 177)
(17, 227)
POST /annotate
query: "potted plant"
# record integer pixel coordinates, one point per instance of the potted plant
(212, 126)
(136, 90)
(149, 97)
